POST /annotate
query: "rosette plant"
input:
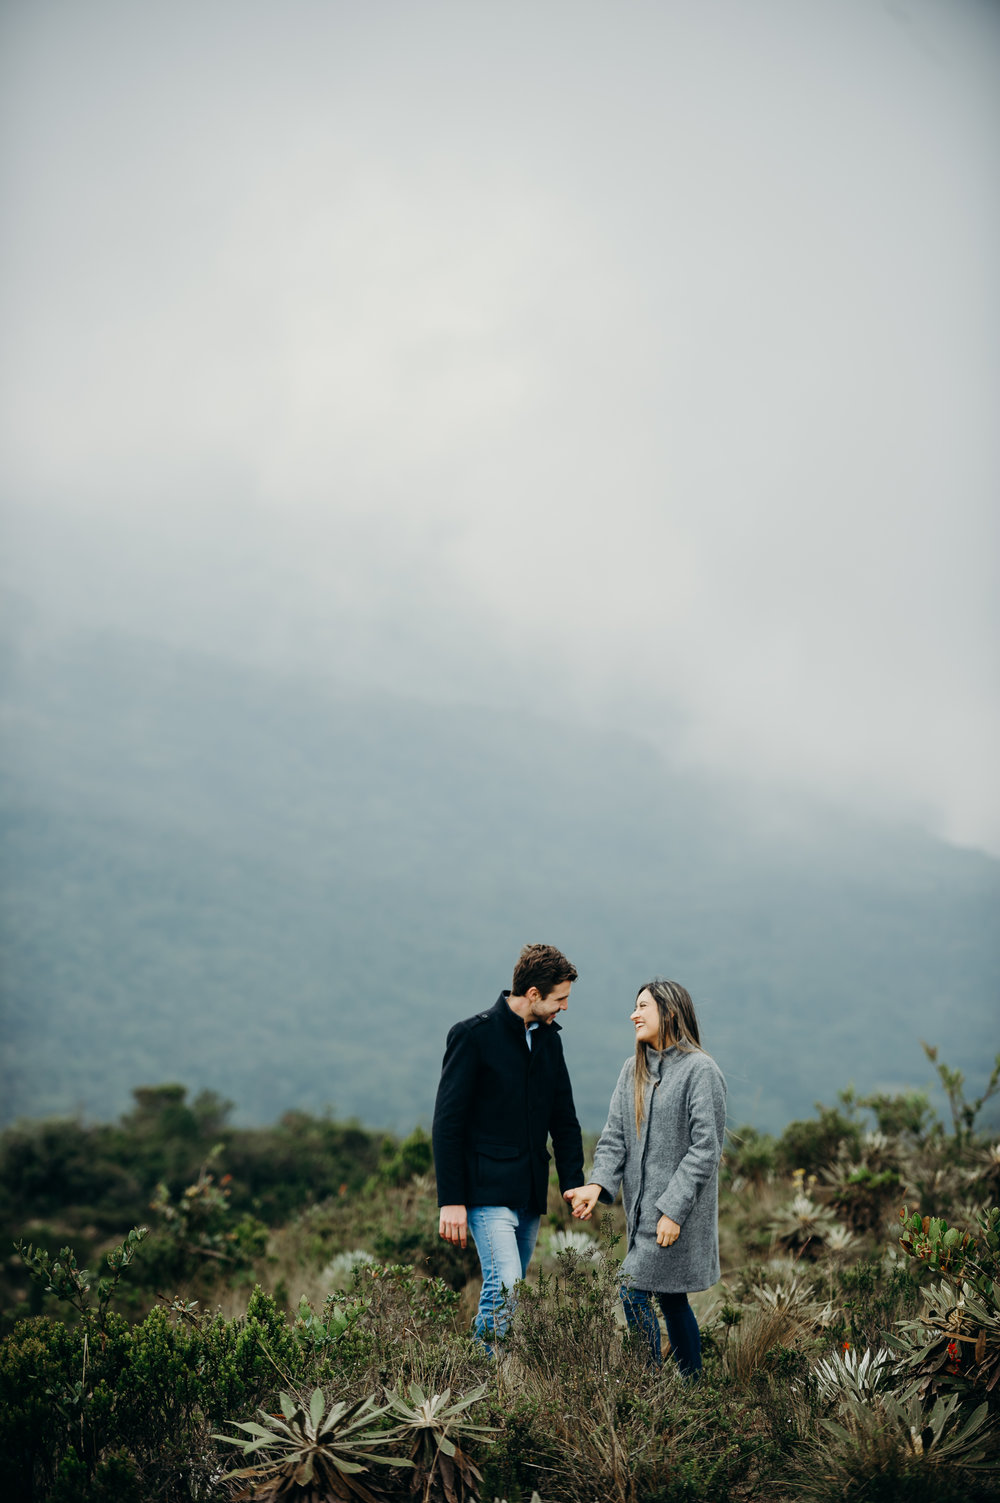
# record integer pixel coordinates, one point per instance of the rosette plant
(313, 1454)
(435, 1428)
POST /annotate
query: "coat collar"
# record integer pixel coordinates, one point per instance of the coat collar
(655, 1059)
(502, 1009)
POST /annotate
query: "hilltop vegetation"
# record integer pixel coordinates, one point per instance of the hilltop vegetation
(849, 1353)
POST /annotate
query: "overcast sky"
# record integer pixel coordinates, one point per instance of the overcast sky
(628, 360)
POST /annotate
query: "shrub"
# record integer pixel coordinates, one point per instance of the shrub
(873, 1295)
(41, 1360)
(198, 1237)
(955, 1344)
(865, 1185)
(906, 1115)
(964, 1113)
(399, 1224)
(401, 1162)
(750, 1156)
(811, 1146)
(74, 1398)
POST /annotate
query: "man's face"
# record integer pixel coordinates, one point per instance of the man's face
(545, 1009)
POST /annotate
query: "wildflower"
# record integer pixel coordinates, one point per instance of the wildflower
(846, 1346)
(953, 1350)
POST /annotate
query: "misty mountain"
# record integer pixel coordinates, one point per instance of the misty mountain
(286, 891)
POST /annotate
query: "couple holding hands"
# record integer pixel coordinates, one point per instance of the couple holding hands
(505, 1090)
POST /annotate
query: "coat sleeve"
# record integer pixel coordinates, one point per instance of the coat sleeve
(564, 1129)
(451, 1111)
(707, 1121)
(612, 1146)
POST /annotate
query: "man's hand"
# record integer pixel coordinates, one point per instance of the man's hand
(454, 1225)
(583, 1200)
(667, 1232)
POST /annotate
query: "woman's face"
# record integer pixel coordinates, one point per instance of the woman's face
(646, 1018)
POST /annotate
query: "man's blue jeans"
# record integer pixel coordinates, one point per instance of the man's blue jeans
(505, 1240)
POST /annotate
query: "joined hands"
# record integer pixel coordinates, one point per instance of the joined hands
(583, 1200)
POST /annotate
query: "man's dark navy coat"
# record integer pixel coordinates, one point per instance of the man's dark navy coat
(497, 1104)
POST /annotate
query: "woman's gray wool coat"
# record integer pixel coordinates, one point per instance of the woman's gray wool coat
(671, 1169)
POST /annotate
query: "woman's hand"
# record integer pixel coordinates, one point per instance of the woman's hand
(667, 1231)
(583, 1200)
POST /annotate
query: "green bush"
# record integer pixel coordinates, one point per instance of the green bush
(750, 1155)
(908, 1114)
(401, 1162)
(74, 1397)
(813, 1145)
(198, 1237)
(873, 1295)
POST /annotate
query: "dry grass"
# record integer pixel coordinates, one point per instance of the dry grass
(761, 1329)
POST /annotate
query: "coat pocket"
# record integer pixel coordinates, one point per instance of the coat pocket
(497, 1150)
(494, 1160)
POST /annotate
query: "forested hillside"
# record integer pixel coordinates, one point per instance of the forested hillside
(285, 893)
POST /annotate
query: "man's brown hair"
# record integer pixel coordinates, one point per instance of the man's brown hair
(543, 966)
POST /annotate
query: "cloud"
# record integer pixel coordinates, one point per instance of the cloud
(640, 370)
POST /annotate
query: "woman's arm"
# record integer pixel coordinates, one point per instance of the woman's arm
(609, 1159)
(612, 1146)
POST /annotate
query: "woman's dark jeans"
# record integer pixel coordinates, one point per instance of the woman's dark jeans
(682, 1328)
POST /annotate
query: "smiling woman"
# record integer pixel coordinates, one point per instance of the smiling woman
(662, 1144)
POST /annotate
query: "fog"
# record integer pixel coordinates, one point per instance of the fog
(632, 364)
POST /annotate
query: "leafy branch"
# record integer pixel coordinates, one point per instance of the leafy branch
(963, 1112)
(64, 1278)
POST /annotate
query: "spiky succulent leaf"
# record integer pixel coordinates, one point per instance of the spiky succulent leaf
(251, 1427)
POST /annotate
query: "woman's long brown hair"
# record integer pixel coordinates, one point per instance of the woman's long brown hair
(678, 1027)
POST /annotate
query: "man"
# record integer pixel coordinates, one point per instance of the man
(504, 1089)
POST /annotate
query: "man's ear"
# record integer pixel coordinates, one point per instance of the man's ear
(533, 994)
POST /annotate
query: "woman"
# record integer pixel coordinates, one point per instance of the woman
(662, 1143)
